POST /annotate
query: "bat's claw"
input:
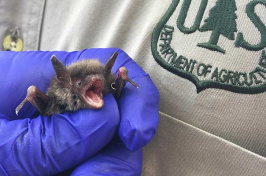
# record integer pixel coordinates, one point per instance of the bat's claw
(123, 75)
(120, 81)
(20, 106)
(133, 83)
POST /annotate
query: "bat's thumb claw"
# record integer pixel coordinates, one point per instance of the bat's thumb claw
(20, 106)
(16, 111)
(133, 83)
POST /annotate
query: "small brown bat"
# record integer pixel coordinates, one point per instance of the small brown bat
(80, 85)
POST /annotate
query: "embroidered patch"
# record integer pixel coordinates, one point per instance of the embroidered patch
(215, 44)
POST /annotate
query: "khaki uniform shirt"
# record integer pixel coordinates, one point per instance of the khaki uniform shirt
(207, 59)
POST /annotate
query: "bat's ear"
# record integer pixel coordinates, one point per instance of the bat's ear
(62, 74)
(110, 63)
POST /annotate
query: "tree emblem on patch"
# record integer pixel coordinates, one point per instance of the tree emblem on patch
(215, 44)
(221, 21)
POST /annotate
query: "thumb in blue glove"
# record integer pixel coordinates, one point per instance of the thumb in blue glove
(114, 159)
(139, 108)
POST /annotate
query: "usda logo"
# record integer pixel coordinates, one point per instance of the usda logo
(215, 44)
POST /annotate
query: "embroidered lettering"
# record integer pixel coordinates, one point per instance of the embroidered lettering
(240, 42)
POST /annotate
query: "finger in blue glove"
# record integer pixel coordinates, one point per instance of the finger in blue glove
(114, 159)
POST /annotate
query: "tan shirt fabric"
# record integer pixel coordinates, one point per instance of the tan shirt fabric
(209, 124)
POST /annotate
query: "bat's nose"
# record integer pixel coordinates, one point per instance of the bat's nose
(95, 80)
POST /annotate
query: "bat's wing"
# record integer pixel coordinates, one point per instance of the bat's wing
(122, 76)
(121, 80)
(37, 98)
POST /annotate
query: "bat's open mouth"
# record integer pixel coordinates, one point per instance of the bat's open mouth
(93, 95)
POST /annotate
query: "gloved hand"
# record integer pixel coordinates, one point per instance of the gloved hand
(48, 145)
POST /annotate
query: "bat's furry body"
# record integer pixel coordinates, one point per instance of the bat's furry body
(80, 85)
(63, 99)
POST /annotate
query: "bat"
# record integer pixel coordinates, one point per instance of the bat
(82, 84)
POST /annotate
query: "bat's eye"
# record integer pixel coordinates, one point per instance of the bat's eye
(79, 83)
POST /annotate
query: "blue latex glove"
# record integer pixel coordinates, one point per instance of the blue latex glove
(115, 159)
(45, 145)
